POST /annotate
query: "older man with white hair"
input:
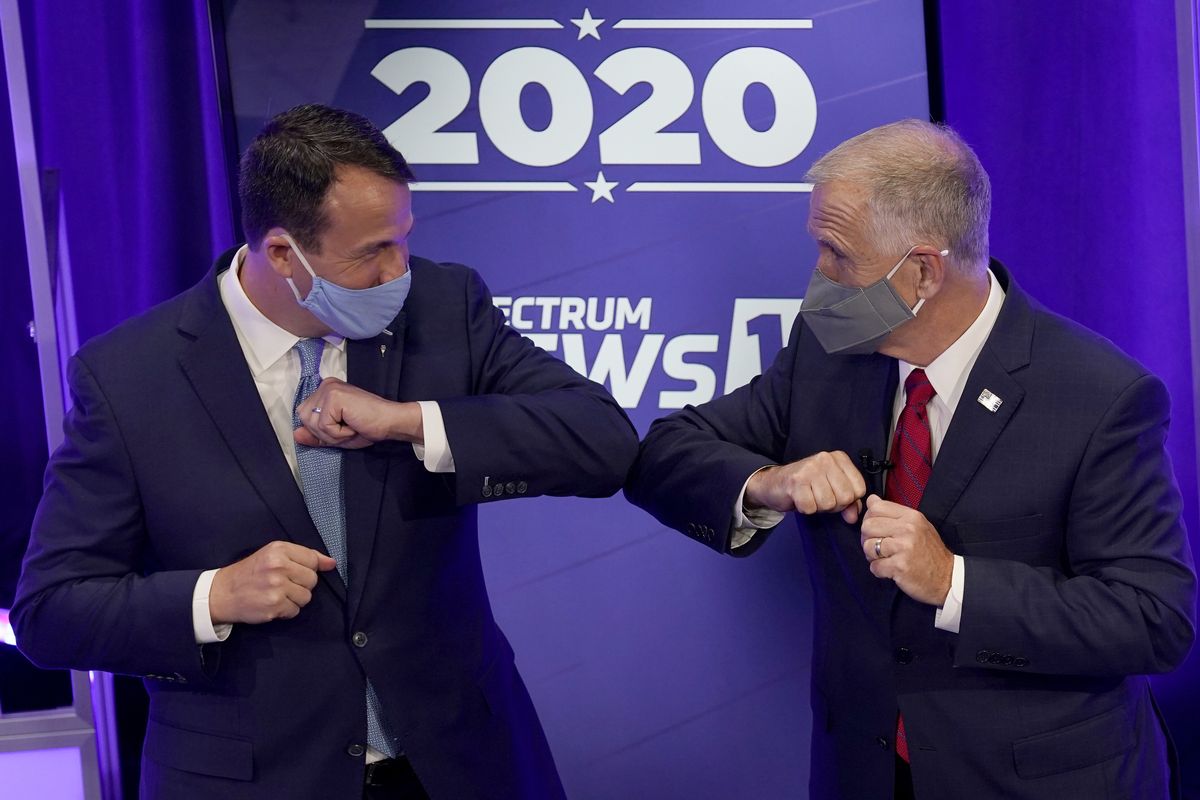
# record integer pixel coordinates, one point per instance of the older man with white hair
(991, 521)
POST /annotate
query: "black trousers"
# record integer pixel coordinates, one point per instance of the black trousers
(904, 784)
(392, 779)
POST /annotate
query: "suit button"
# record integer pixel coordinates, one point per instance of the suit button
(356, 750)
(359, 639)
(882, 742)
(1020, 662)
(904, 656)
(522, 487)
(995, 658)
(1008, 661)
(982, 656)
(510, 488)
(487, 491)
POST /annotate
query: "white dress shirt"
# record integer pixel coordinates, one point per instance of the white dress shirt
(275, 365)
(948, 375)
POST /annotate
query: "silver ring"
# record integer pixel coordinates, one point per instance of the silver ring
(317, 410)
(878, 544)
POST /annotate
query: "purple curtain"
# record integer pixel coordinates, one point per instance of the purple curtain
(24, 451)
(126, 109)
(1073, 107)
(126, 113)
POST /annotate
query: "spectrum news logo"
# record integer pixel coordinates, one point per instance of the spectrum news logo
(612, 341)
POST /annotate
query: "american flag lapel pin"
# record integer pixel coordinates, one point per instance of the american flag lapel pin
(989, 401)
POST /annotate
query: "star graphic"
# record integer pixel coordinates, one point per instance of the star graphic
(601, 187)
(588, 26)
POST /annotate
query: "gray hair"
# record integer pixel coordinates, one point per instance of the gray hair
(925, 186)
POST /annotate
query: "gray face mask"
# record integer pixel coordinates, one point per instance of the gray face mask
(849, 320)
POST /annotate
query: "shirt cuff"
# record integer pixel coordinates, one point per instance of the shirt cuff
(747, 521)
(435, 453)
(948, 617)
(202, 624)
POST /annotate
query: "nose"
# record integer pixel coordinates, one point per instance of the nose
(395, 265)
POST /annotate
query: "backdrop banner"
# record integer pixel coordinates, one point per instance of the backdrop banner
(628, 178)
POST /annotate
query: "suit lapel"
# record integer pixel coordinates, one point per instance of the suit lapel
(975, 428)
(874, 391)
(217, 370)
(971, 435)
(373, 365)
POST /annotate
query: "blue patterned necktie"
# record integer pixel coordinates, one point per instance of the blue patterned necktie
(321, 482)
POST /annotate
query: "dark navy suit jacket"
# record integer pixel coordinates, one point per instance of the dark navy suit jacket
(1079, 579)
(170, 467)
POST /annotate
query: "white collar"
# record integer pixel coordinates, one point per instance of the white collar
(948, 372)
(263, 341)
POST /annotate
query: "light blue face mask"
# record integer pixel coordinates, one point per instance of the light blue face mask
(353, 313)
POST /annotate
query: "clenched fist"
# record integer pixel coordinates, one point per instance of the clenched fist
(339, 414)
(821, 482)
(274, 582)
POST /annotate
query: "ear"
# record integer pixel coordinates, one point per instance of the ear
(278, 252)
(933, 271)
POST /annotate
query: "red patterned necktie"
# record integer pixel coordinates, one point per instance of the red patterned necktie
(912, 463)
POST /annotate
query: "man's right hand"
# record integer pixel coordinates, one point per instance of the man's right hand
(275, 582)
(822, 482)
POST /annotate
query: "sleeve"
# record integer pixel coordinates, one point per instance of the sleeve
(694, 464)
(947, 617)
(747, 522)
(84, 600)
(202, 624)
(1126, 604)
(531, 425)
(435, 453)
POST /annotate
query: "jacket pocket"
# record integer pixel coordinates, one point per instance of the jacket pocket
(203, 753)
(1082, 744)
(1027, 539)
(1001, 530)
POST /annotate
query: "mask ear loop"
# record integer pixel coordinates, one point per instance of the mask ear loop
(304, 261)
(943, 253)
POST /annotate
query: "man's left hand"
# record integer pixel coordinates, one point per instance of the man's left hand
(911, 551)
(339, 414)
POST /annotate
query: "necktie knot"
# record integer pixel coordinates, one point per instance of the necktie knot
(310, 356)
(918, 391)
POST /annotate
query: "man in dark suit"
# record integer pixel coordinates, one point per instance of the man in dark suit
(984, 620)
(265, 503)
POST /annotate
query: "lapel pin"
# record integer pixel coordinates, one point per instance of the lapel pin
(989, 401)
(382, 350)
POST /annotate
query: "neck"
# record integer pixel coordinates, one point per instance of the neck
(942, 320)
(270, 294)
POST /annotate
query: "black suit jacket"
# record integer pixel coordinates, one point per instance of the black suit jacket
(170, 467)
(1079, 578)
